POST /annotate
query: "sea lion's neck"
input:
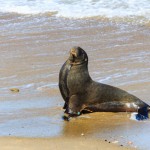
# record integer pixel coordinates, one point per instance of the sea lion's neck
(77, 63)
(80, 70)
(78, 77)
(80, 66)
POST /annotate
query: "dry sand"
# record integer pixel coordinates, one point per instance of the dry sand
(56, 144)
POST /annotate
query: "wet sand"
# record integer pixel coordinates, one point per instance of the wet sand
(33, 49)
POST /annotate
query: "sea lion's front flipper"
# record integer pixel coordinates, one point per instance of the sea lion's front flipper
(75, 106)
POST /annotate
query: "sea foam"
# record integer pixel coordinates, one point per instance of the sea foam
(79, 8)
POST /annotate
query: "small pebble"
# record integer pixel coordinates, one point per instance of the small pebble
(130, 142)
(14, 90)
(114, 142)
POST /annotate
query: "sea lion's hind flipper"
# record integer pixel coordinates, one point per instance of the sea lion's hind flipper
(142, 113)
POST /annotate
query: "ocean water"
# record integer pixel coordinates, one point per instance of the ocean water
(79, 8)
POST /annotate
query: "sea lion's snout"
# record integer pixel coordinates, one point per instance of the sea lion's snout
(76, 51)
(73, 56)
(73, 52)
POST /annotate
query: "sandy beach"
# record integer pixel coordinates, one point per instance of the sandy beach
(57, 144)
(33, 49)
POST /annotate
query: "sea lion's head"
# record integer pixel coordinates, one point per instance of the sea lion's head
(78, 56)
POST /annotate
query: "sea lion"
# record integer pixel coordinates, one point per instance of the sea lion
(81, 93)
